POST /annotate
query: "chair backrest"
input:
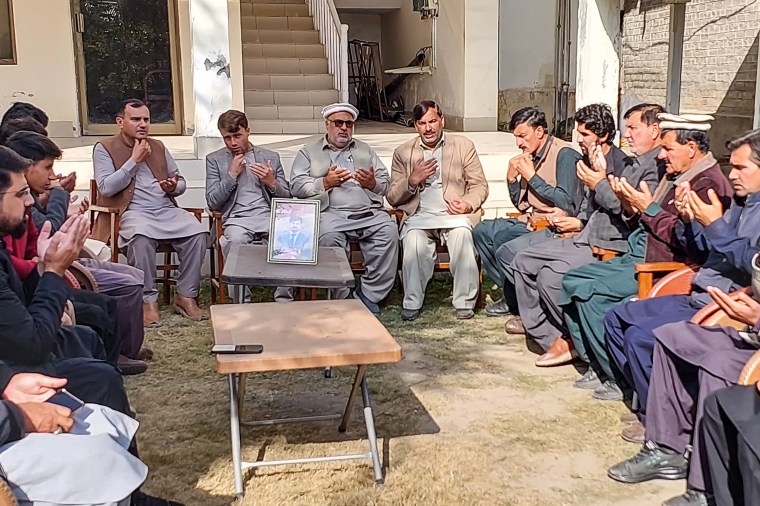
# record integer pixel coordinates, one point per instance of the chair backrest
(93, 192)
(675, 283)
(6, 494)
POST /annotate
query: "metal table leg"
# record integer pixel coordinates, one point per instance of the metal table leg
(237, 461)
(241, 393)
(360, 371)
(371, 435)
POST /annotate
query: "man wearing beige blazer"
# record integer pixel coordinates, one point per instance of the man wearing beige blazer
(438, 182)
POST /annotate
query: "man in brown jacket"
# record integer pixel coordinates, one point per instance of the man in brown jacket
(438, 182)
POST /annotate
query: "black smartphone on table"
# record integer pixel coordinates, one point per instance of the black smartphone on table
(223, 349)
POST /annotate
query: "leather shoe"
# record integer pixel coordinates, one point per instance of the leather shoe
(561, 352)
(188, 308)
(409, 314)
(498, 308)
(130, 366)
(589, 381)
(629, 418)
(609, 391)
(514, 326)
(692, 497)
(145, 354)
(464, 314)
(634, 433)
(151, 316)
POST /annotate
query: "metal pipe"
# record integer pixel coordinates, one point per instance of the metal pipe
(299, 419)
(306, 460)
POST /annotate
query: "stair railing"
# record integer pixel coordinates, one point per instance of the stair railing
(334, 37)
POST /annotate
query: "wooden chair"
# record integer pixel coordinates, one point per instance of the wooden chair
(165, 269)
(6, 494)
(216, 258)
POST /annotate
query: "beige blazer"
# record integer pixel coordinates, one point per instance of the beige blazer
(462, 175)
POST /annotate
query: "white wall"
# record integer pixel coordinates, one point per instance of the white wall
(481, 65)
(45, 72)
(526, 44)
(363, 26)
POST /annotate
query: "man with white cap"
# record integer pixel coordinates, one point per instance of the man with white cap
(676, 364)
(350, 181)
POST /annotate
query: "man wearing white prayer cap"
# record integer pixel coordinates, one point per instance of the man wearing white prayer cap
(350, 181)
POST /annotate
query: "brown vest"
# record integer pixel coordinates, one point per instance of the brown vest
(546, 167)
(120, 152)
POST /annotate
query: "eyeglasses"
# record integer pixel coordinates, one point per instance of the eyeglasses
(20, 194)
(339, 123)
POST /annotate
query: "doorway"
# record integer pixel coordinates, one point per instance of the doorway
(127, 49)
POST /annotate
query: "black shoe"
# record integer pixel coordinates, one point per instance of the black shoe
(691, 498)
(373, 307)
(589, 381)
(142, 499)
(498, 308)
(609, 391)
(130, 366)
(651, 463)
(409, 314)
(464, 314)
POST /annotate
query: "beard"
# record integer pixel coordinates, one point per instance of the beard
(13, 228)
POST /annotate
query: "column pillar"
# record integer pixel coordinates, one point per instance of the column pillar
(212, 85)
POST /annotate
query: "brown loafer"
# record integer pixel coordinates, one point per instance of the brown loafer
(151, 316)
(188, 308)
(130, 366)
(634, 433)
(561, 352)
(629, 418)
(145, 354)
(514, 326)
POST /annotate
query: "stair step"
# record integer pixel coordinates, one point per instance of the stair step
(290, 97)
(274, 10)
(285, 66)
(298, 112)
(274, 126)
(277, 23)
(281, 36)
(258, 49)
(288, 82)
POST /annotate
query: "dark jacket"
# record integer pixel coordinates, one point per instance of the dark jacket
(56, 211)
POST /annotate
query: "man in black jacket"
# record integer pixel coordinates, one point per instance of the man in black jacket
(31, 321)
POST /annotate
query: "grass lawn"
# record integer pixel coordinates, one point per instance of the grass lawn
(464, 419)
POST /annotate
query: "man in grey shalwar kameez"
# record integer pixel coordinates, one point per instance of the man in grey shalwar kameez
(350, 181)
(138, 175)
(241, 180)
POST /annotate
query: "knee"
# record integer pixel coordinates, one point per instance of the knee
(518, 264)
(235, 236)
(414, 243)
(461, 236)
(388, 234)
(637, 339)
(480, 232)
(334, 239)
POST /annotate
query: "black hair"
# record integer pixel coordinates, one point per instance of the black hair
(533, 116)
(422, 108)
(10, 162)
(648, 112)
(130, 102)
(700, 138)
(26, 124)
(296, 218)
(34, 146)
(25, 110)
(599, 119)
(751, 139)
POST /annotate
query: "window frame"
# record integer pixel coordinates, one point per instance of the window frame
(13, 60)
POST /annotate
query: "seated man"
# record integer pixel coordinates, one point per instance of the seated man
(689, 363)
(29, 329)
(25, 110)
(589, 292)
(241, 180)
(542, 184)
(728, 241)
(122, 282)
(138, 176)
(20, 125)
(438, 182)
(350, 181)
(538, 271)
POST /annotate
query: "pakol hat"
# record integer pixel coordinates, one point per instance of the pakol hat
(340, 107)
(699, 122)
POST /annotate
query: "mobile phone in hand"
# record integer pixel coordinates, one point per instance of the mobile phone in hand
(66, 399)
(236, 348)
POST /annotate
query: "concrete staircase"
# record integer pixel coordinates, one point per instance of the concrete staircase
(285, 73)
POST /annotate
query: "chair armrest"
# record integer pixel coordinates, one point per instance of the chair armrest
(101, 209)
(197, 211)
(603, 254)
(751, 372)
(659, 267)
(217, 215)
(513, 215)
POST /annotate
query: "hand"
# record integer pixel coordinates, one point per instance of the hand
(638, 200)
(617, 189)
(598, 160)
(681, 202)
(589, 176)
(524, 166)
(31, 387)
(59, 251)
(69, 182)
(366, 178)
(744, 309)
(169, 185)
(237, 166)
(76, 207)
(45, 417)
(458, 206)
(422, 170)
(566, 224)
(140, 151)
(336, 177)
(705, 213)
(265, 173)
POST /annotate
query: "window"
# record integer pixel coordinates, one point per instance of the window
(7, 42)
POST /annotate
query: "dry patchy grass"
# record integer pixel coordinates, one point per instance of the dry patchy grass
(464, 419)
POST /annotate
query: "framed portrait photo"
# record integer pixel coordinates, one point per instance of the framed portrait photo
(293, 231)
